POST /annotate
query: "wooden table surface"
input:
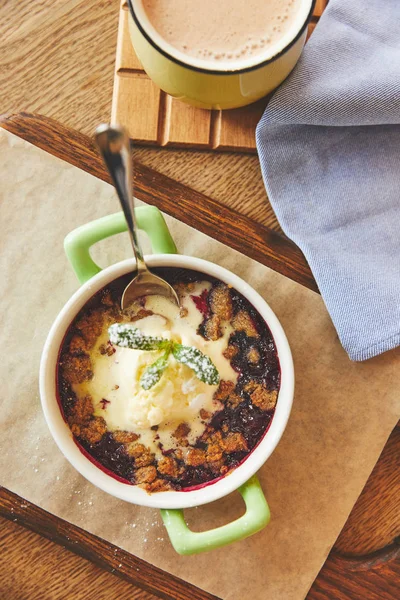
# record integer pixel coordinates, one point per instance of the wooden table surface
(57, 58)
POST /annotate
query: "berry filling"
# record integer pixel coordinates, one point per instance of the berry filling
(193, 456)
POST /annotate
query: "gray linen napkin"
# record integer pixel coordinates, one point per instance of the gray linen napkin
(329, 147)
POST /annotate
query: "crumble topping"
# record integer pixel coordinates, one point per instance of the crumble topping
(243, 322)
(187, 452)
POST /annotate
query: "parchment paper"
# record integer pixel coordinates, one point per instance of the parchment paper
(343, 412)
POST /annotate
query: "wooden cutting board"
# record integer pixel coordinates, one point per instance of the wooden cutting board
(155, 118)
(364, 564)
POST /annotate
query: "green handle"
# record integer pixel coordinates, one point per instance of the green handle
(255, 518)
(77, 243)
(77, 247)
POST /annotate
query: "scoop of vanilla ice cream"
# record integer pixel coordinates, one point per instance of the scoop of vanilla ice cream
(179, 395)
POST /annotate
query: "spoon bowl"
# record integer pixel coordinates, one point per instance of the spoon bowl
(114, 145)
(146, 283)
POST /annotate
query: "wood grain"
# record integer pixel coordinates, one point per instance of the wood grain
(145, 102)
(37, 46)
(187, 125)
(264, 245)
(376, 578)
(370, 577)
(373, 578)
(320, 6)
(238, 127)
(375, 519)
(179, 125)
(126, 58)
(75, 87)
(62, 575)
(99, 551)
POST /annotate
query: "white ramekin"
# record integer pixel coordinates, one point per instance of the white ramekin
(132, 493)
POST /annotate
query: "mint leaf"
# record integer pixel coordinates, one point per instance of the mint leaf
(201, 364)
(127, 336)
(153, 373)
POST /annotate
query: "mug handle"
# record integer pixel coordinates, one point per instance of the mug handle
(256, 517)
(77, 243)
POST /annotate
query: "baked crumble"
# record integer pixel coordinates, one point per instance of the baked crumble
(224, 433)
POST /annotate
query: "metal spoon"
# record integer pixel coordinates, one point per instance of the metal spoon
(113, 143)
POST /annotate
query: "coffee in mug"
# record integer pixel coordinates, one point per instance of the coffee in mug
(219, 53)
(218, 31)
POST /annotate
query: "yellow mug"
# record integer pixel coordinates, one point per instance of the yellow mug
(184, 77)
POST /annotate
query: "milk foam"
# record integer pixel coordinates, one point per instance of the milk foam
(222, 30)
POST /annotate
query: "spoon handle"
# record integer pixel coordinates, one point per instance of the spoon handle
(113, 143)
